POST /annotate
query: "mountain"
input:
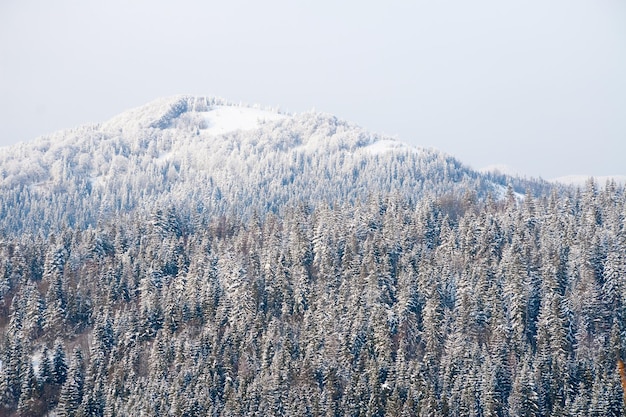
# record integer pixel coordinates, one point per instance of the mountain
(205, 155)
(191, 258)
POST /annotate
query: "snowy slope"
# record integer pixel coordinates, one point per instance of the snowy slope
(210, 155)
(225, 119)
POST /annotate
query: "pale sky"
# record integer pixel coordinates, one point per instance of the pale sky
(537, 85)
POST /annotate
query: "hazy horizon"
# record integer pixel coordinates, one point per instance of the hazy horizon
(537, 87)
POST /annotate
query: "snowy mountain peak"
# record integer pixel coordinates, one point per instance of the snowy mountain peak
(207, 152)
(215, 114)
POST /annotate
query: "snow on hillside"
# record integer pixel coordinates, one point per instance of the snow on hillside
(147, 115)
(500, 193)
(581, 180)
(205, 152)
(220, 116)
(226, 119)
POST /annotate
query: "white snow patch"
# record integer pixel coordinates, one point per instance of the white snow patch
(501, 191)
(225, 119)
(36, 361)
(96, 180)
(581, 180)
(163, 156)
(388, 145)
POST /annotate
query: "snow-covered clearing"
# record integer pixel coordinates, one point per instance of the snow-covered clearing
(225, 119)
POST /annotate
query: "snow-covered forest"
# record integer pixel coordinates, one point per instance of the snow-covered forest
(208, 157)
(300, 267)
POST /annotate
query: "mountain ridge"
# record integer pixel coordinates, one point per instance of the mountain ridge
(181, 150)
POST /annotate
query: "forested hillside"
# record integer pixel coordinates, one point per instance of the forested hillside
(192, 257)
(207, 156)
(440, 305)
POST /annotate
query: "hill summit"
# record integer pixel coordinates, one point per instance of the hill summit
(215, 157)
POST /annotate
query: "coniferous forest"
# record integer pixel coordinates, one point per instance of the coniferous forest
(322, 280)
(449, 306)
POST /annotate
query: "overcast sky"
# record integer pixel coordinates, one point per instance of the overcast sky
(537, 85)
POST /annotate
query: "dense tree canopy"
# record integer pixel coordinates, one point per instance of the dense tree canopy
(443, 305)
